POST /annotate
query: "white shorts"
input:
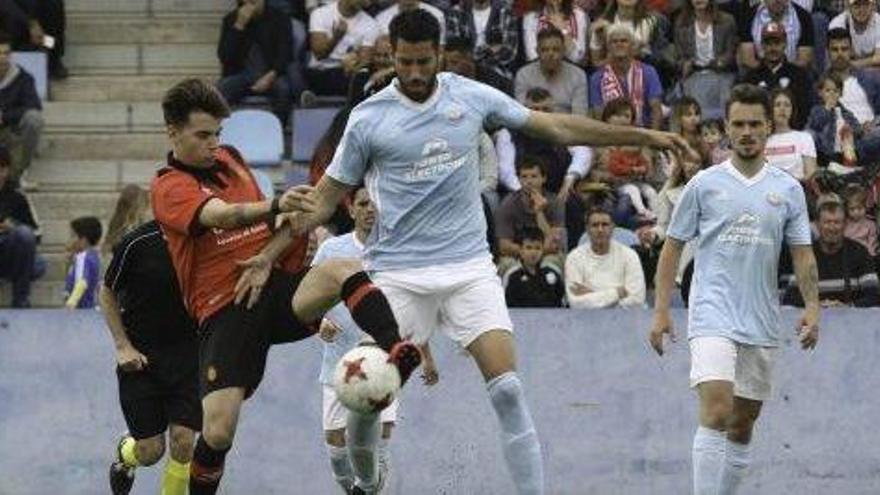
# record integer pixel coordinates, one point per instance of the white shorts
(465, 299)
(335, 414)
(749, 367)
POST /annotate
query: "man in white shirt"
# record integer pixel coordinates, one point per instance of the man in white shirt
(341, 37)
(384, 17)
(862, 22)
(605, 273)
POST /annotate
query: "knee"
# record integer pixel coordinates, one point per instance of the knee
(336, 438)
(32, 120)
(182, 443)
(218, 431)
(150, 450)
(24, 236)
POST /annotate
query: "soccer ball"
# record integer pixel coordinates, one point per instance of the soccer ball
(365, 381)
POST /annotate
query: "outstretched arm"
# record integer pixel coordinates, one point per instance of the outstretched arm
(219, 214)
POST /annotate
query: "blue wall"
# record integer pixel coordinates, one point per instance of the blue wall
(613, 417)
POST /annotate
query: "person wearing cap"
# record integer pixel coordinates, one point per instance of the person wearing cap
(862, 22)
(775, 71)
(793, 19)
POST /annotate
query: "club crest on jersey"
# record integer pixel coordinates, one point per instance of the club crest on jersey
(774, 198)
(455, 114)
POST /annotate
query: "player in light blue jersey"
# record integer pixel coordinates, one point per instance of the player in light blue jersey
(739, 213)
(415, 145)
(341, 334)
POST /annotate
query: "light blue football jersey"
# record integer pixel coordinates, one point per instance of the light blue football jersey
(739, 225)
(419, 162)
(345, 246)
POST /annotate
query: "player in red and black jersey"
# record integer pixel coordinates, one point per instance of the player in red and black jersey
(228, 260)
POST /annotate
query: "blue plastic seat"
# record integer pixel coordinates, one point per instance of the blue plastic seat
(36, 64)
(257, 134)
(309, 124)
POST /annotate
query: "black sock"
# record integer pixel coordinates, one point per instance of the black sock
(370, 310)
(206, 468)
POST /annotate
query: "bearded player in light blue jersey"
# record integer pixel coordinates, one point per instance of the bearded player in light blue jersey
(739, 213)
(415, 145)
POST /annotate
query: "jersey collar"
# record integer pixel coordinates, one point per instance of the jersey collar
(406, 101)
(208, 175)
(747, 181)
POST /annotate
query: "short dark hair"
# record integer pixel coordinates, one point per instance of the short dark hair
(549, 32)
(616, 107)
(597, 209)
(5, 38)
(716, 124)
(531, 161)
(529, 234)
(89, 228)
(459, 45)
(749, 94)
(414, 26)
(830, 207)
(838, 33)
(192, 95)
(537, 94)
(829, 76)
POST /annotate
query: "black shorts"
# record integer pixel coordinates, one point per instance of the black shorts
(165, 392)
(235, 341)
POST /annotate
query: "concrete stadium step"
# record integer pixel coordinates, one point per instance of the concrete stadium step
(134, 59)
(128, 30)
(56, 233)
(118, 88)
(75, 8)
(91, 175)
(105, 117)
(78, 146)
(69, 205)
(56, 266)
(44, 294)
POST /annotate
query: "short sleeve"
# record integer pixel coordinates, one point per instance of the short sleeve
(114, 277)
(499, 109)
(177, 201)
(808, 146)
(797, 225)
(349, 164)
(685, 223)
(321, 254)
(320, 21)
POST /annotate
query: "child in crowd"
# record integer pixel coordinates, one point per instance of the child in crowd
(715, 143)
(834, 128)
(84, 272)
(531, 285)
(686, 119)
(859, 227)
(629, 168)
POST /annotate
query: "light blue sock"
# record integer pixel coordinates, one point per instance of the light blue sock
(362, 435)
(708, 458)
(341, 466)
(737, 458)
(519, 440)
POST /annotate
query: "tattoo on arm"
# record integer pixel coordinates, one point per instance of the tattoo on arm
(807, 277)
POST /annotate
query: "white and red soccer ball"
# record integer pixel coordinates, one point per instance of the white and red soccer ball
(365, 381)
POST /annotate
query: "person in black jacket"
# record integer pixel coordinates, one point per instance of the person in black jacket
(21, 119)
(31, 23)
(531, 285)
(19, 235)
(255, 51)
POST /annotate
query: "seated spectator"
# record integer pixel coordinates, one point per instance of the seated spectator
(706, 41)
(571, 22)
(534, 207)
(565, 81)
(630, 169)
(371, 78)
(341, 40)
(21, 120)
(84, 270)
(775, 72)
(19, 235)
(531, 285)
(859, 227)
(384, 18)
(255, 51)
(589, 194)
(625, 77)
(715, 141)
(788, 149)
(789, 18)
(861, 87)
(605, 273)
(833, 127)
(458, 58)
(37, 25)
(490, 28)
(649, 29)
(862, 22)
(846, 270)
(565, 164)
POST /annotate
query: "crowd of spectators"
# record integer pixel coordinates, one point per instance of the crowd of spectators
(581, 226)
